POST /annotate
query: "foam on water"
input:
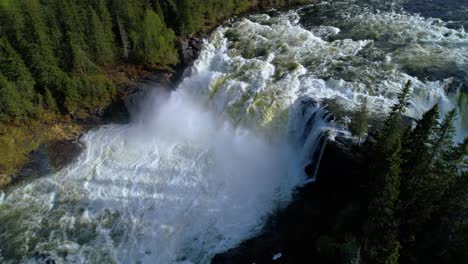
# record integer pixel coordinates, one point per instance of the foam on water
(343, 67)
(180, 185)
(200, 170)
(402, 47)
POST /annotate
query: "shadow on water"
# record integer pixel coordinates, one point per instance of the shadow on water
(455, 12)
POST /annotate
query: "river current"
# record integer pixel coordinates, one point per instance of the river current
(199, 170)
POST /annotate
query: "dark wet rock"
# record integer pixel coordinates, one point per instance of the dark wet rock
(298, 232)
(47, 159)
(310, 169)
(99, 111)
(37, 166)
(63, 152)
(190, 48)
(345, 140)
(341, 158)
(43, 258)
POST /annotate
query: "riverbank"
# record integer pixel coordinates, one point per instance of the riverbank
(20, 140)
(53, 137)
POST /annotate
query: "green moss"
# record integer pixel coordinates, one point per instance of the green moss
(236, 112)
(217, 84)
(281, 67)
(264, 109)
(275, 118)
(16, 142)
(232, 35)
(463, 105)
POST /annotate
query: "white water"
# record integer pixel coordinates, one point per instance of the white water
(198, 171)
(179, 184)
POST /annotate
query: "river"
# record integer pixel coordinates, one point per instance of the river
(199, 170)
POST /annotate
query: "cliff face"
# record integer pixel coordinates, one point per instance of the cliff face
(313, 227)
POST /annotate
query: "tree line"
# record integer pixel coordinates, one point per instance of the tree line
(417, 201)
(52, 52)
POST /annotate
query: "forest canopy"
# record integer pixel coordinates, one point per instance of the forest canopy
(53, 52)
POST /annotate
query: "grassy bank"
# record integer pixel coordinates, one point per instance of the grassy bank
(18, 138)
(17, 141)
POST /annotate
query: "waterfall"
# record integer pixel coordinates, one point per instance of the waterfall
(311, 120)
(193, 174)
(200, 169)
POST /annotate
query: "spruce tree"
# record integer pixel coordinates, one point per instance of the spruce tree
(185, 19)
(416, 152)
(381, 229)
(106, 19)
(416, 148)
(30, 33)
(156, 41)
(360, 122)
(416, 180)
(10, 101)
(129, 15)
(442, 138)
(455, 160)
(77, 49)
(15, 71)
(445, 239)
(12, 65)
(100, 42)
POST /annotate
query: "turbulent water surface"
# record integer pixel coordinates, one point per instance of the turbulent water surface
(199, 170)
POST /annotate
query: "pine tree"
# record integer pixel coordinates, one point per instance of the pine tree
(100, 42)
(10, 101)
(381, 229)
(416, 150)
(455, 159)
(156, 41)
(14, 70)
(129, 15)
(29, 34)
(74, 33)
(416, 180)
(105, 16)
(185, 19)
(442, 138)
(360, 122)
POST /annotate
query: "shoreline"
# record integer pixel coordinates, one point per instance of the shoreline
(54, 140)
(54, 130)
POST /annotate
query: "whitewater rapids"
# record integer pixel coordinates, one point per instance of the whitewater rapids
(199, 170)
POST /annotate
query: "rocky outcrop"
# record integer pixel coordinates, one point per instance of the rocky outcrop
(296, 233)
(190, 48)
